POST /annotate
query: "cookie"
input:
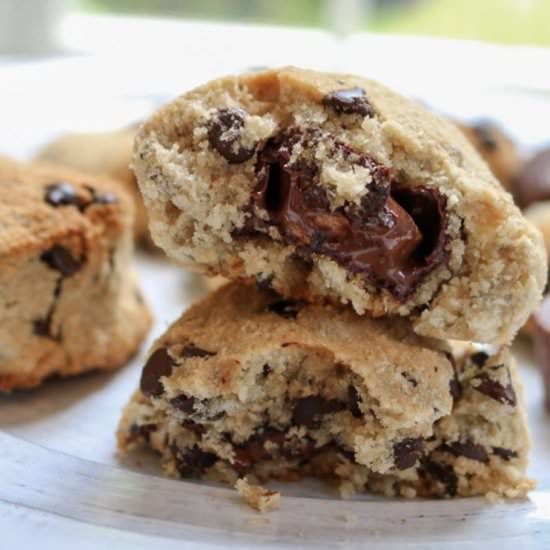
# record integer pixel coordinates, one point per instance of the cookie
(540, 331)
(533, 181)
(539, 215)
(333, 187)
(497, 149)
(103, 153)
(69, 298)
(249, 384)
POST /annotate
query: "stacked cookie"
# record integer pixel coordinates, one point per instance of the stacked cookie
(362, 234)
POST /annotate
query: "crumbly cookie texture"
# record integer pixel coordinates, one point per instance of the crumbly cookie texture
(332, 186)
(257, 497)
(369, 407)
(68, 296)
(496, 148)
(103, 153)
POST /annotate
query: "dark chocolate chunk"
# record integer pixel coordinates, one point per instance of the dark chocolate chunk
(352, 101)
(41, 327)
(410, 379)
(159, 364)
(224, 135)
(309, 410)
(105, 198)
(266, 371)
(191, 350)
(485, 132)
(494, 389)
(288, 309)
(479, 358)
(194, 462)
(183, 403)
(407, 452)
(443, 473)
(62, 194)
(533, 182)
(455, 387)
(469, 449)
(197, 429)
(353, 401)
(60, 259)
(394, 239)
(505, 454)
(144, 431)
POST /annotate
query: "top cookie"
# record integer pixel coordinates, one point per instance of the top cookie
(332, 186)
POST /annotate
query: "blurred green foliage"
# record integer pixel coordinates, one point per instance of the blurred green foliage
(503, 21)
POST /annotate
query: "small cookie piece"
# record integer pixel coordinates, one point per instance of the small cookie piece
(497, 149)
(247, 382)
(257, 497)
(533, 182)
(103, 153)
(68, 296)
(541, 341)
(479, 447)
(332, 186)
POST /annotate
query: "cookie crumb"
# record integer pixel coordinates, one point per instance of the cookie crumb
(257, 497)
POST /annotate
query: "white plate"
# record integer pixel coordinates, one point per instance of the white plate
(61, 483)
(57, 455)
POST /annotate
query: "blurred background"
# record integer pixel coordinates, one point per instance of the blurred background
(102, 64)
(35, 26)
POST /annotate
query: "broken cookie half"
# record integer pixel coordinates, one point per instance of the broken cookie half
(332, 186)
(249, 384)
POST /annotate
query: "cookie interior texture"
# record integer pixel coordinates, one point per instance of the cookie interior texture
(69, 297)
(291, 389)
(324, 185)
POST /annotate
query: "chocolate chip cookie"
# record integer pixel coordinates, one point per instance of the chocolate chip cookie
(533, 181)
(103, 153)
(68, 296)
(249, 384)
(326, 186)
(497, 149)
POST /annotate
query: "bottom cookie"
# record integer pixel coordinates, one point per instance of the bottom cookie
(247, 384)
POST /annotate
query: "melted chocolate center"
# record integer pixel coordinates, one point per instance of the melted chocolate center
(394, 237)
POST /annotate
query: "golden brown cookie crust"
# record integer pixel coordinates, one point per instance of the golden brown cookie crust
(69, 298)
(495, 268)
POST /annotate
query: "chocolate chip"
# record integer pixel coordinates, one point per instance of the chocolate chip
(41, 327)
(197, 429)
(62, 194)
(191, 350)
(353, 401)
(443, 473)
(143, 430)
(407, 452)
(494, 389)
(351, 101)
(394, 240)
(410, 379)
(266, 371)
(288, 309)
(224, 135)
(183, 403)
(309, 410)
(60, 259)
(158, 365)
(106, 198)
(468, 449)
(455, 387)
(505, 454)
(194, 462)
(479, 358)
